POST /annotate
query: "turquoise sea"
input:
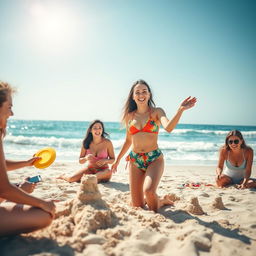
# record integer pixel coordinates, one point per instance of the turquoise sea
(188, 144)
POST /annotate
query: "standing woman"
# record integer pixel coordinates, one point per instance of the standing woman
(238, 158)
(23, 212)
(142, 120)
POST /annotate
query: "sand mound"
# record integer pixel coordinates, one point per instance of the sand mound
(218, 204)
(89, 222)
(194, 207)
(81, 217)
(173, 197)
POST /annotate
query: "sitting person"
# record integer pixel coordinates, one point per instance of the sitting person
(97, 152)
(238, 158)
(22, 213)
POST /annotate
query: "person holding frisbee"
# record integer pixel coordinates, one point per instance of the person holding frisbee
(22, 212)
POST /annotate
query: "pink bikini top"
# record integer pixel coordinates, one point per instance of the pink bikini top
(103, 154)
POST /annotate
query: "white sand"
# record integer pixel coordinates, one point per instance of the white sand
(97, 219)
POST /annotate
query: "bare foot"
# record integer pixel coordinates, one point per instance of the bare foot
(166, 200)
(63, 177)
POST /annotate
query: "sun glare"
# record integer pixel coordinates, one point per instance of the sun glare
(53, 28)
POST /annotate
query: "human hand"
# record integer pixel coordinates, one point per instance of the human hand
(32, 160)
(217, 177)
(49, 207)
(101, 162)
(27, 186)
(241, 186)
(89, 157)
(114, 167)
(188, 103)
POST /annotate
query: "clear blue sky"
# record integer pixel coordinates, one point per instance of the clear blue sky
(76, 60)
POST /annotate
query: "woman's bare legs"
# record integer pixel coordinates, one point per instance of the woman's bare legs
(16, 219)
(223, 181)
(76, 177)
(104, 176)
(154, 173)
(251, 184)
(136, 177)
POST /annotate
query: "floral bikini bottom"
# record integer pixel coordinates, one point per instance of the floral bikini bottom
(143, 160)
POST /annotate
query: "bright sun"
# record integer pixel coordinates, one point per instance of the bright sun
(52, 27)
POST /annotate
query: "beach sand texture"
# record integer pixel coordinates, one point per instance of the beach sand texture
(96, 219)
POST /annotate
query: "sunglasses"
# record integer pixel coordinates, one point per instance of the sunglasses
(233, 141)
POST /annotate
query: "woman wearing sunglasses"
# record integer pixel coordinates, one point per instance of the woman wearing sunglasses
(238, 159)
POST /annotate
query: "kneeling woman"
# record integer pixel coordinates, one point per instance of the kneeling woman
(97, 152)
(238, 158)
(142, 121)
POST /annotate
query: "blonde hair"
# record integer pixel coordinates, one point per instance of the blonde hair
(5, 90)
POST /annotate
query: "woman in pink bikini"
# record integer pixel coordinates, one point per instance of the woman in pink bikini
(142, 120)
(97, 153)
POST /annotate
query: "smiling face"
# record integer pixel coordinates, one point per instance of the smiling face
(234, 142)
(141, 94)
(5, 111)
(97, 130)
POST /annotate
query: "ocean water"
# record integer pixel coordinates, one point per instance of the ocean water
(187, 144)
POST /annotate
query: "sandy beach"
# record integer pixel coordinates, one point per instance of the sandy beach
(97, 220)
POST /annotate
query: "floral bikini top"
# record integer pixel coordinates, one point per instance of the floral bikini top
(150, 126)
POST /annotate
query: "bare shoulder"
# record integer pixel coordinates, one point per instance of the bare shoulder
(223, 151)
(107, 142)
(129, 117)
(248, 151)
(157, 112)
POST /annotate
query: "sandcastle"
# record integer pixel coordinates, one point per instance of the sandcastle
(218, 204)
(81, 216)
(194, 207)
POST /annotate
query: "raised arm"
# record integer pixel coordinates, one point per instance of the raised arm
(169, 125)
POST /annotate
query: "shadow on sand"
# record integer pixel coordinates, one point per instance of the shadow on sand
(180, 216)
(23, 246)
(117, 186)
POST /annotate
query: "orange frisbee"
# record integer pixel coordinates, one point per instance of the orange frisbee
(48, 155)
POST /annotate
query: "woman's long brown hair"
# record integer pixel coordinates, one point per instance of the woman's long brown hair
(130, 104)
